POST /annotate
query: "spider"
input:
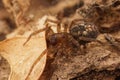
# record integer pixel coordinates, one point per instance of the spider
(68, 42)
(73, 36)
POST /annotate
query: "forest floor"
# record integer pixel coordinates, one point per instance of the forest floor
(97, 62)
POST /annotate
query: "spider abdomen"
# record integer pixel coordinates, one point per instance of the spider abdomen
(82, 31)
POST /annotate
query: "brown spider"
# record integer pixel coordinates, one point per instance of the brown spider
(76, 34)
(68, 42)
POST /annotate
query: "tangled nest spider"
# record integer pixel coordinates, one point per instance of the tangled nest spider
(78, 33)
(67, 42)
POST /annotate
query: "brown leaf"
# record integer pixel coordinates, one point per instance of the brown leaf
(25, 61)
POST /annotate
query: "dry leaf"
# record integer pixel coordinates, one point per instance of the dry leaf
(23, 59)
(26, 61)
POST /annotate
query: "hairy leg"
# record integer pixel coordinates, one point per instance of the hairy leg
(57, 22)
(47, 30)
(90, 39)
(36, 61)
(34, 33)
(19, 18)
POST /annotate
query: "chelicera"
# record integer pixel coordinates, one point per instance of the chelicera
(70, 39)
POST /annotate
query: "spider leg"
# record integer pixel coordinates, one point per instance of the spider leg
(57, 22)
(65, 27)
(84, 46)
(34, 33)
(75, 42)
(19, 18)
(36, 61)
(47, 29)
(90, 39)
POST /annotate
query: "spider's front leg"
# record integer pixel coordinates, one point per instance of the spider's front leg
(19, 18)
(89, 39)
(47, 29)
(34, 33)
(74, 42)
(85, 39)
(56, 22)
